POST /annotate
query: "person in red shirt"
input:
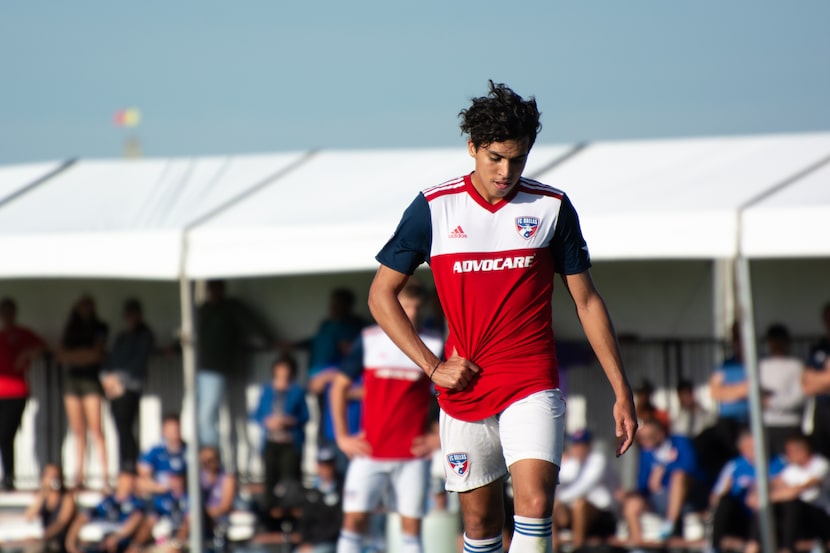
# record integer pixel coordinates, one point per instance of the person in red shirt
(494, 241)
(18, 347)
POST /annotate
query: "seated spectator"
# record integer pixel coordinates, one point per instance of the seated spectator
(55, 507)
(646, 410)
(218, 492)
(780, 375)
(585, 496)
(282, 414)
(668, 481)
(319, 525)
(732, 515)
(691, 418)
(171, 511)
(800, 496)
(156, 465)
(117, 518)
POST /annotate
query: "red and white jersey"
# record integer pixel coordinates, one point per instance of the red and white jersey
(494, 267)
(397, 393)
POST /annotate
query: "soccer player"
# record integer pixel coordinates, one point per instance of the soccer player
(494, 241)
(390, 453)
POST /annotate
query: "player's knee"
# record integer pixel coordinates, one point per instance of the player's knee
(534, 505)
(356, 522)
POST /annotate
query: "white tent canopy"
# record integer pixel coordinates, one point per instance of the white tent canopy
(332, 210)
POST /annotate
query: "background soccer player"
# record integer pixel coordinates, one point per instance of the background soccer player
(391, 453)
(494, 241)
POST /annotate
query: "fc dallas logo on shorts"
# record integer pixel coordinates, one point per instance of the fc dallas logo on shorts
(459, 463)
(527, 226)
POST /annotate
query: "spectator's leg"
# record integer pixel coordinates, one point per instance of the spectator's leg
(561, 519)
(124, 411)
(92, 413)
(11, 412)
(270, 460)
(633, 508)
(210, 387)
(77, 425)
(790, 518)
(730, 520)
(583, 513)
(821, 427)
(678, 492)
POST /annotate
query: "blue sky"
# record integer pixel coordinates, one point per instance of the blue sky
(254, 76)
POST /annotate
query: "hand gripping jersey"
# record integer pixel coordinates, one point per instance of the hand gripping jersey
(396, 395)
(493, 267)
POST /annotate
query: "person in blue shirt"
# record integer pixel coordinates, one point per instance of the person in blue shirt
(118, 517)
(282, 413)
(668, 482)
(156, 465)
(172, 507)
(732, 518)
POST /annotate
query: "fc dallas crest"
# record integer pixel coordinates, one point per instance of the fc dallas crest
(527, 226)
(459, 463)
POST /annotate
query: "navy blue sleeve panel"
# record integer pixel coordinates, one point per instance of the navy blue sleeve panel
(570, 252)
(412, 241)
(352, 365)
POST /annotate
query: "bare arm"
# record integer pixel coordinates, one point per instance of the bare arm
(727, 392)
(228, 493)
(34, 508)
(74, 530)
(816, 382)
(67, 509)
(593, 315)
(338, 396)
(454, 373)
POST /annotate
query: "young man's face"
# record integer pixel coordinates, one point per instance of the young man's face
(498, 167)
(171, 431)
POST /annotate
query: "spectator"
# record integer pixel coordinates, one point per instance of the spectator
(668, 481)
(691, 418)
(732, 515)
(780, 376)
(585, 498)
(319, 525)
(169, 457)
(327, 349)
(169, 515)
(646, 410)
(282, 413)
(55, 507)
(82, 351)
(117, 518)
(223, 325)
(219, 491)
(800, 496)
(18, 347)
(728, 386)
(817, 383)
(123, 379)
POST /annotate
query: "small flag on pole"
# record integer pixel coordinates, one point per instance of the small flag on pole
(128, 117)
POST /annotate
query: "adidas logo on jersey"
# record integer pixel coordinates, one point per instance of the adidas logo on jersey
(458, 232)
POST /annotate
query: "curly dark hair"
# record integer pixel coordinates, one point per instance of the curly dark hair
(501, 115)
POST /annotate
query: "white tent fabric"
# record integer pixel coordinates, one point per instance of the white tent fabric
(121, 218)
(794, 222)
(677, 198)
(332, 214)
(332, 210)
(14, 178)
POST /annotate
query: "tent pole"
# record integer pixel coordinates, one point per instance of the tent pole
(750, 361)
(194, 488)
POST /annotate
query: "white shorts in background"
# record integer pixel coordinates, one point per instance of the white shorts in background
(370, 481)
(478, 453)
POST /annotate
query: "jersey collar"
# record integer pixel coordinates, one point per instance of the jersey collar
(492, 208)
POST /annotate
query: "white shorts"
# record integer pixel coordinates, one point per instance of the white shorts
(402, 483)
(478, 453)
